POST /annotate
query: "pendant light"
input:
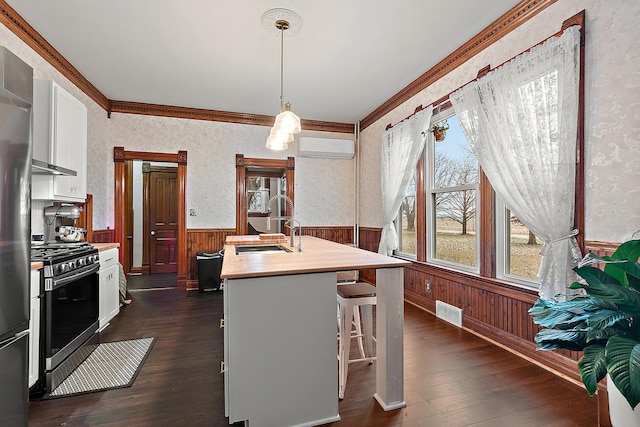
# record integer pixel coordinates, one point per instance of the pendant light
(287, 123)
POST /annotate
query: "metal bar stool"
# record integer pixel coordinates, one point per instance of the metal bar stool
(354, 297)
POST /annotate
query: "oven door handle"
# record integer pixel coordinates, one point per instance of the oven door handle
(65, 280)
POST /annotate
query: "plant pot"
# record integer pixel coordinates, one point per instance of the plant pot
(439, 134)
(620, 411)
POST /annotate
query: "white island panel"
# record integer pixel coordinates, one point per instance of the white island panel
(281, 366)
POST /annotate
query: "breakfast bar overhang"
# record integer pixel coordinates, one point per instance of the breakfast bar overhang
(280, 359)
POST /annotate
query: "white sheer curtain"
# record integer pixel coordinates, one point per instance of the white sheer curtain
(521, 121)
(401, 149)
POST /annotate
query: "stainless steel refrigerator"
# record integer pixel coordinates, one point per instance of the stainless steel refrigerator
(16, 96)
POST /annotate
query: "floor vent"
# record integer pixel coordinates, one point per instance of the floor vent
(449, 313)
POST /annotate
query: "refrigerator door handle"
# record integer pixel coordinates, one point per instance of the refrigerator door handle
(16, 337)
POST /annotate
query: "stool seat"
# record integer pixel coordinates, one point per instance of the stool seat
(354, 300)
(356, 290)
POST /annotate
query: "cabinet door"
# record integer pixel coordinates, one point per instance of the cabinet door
(59, 138)
(70, 142)
(109, 294)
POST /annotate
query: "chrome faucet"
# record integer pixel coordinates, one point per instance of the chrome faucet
(291, 224)
(290, 219)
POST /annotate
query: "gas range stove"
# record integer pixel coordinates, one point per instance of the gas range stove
(61, 259)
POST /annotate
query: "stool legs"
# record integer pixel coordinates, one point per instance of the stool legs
(344, 344)
(344, 340)
(367, 323)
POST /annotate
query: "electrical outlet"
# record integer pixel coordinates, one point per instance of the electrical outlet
(427, 286)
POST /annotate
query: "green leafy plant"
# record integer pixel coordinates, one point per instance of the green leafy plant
(440, 130)
(604, 323)
(440, 126)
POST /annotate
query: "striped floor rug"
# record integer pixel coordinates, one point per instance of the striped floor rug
(111, 365)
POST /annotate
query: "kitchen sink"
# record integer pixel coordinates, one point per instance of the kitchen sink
(261, 249)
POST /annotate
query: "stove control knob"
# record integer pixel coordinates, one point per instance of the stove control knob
(72, 265)
(63, 267)
(82, 261)
(96, 257)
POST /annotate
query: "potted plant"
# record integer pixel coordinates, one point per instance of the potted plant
(604, 323)
(440, 130)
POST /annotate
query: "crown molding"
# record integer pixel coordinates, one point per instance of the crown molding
(127, 107)
(508, 22)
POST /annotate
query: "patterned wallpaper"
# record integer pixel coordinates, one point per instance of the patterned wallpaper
(612, 117)
(612, 134)
(211, 176)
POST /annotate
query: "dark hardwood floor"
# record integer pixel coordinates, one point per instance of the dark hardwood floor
(152, 281)
(452, 378)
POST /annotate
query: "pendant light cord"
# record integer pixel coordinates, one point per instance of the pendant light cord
(282, 28)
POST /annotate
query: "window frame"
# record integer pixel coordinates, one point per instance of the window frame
(503, 249)
(397, 223)
(444, 113)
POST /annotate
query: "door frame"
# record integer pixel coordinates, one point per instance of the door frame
(120, 158)
(247, 166)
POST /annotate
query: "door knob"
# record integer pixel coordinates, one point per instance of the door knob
(153, 232)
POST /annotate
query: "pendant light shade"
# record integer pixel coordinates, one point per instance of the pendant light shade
(279, 139)
(287, 123)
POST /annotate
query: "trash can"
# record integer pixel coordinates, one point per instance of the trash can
(209, 266)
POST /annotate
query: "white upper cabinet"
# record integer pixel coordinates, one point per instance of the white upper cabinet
(59, 138)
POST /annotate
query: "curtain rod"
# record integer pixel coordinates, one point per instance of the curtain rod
(416, 111)
(444, 103)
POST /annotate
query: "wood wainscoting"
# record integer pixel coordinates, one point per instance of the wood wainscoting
(338, 234)
(104, 236)
(369, 240)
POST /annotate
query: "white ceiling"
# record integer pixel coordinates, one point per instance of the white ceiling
(349, 57)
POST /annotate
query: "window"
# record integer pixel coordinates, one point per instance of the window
(518, 249)
(406, 222)
(458, 223)
(452, 197)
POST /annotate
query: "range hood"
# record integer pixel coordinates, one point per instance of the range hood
(38, 167)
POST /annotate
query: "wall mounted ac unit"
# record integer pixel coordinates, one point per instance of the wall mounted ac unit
(327, 148)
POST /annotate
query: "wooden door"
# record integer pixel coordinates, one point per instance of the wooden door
(163, 219)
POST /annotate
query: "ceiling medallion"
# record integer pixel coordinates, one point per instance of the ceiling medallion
(271, 18)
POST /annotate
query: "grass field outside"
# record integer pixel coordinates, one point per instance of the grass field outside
(453, 247)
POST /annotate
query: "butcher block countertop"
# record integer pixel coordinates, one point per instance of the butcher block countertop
(260, 239)
(317, 255)
(104, 246)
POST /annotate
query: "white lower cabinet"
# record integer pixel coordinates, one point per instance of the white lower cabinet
(34, 328)
(109, 285)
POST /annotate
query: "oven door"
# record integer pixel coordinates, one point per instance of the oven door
(70, 313)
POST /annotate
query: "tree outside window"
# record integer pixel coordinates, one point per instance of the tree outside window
(406, 222)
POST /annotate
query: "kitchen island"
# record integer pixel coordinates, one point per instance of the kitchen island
(280, 356)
